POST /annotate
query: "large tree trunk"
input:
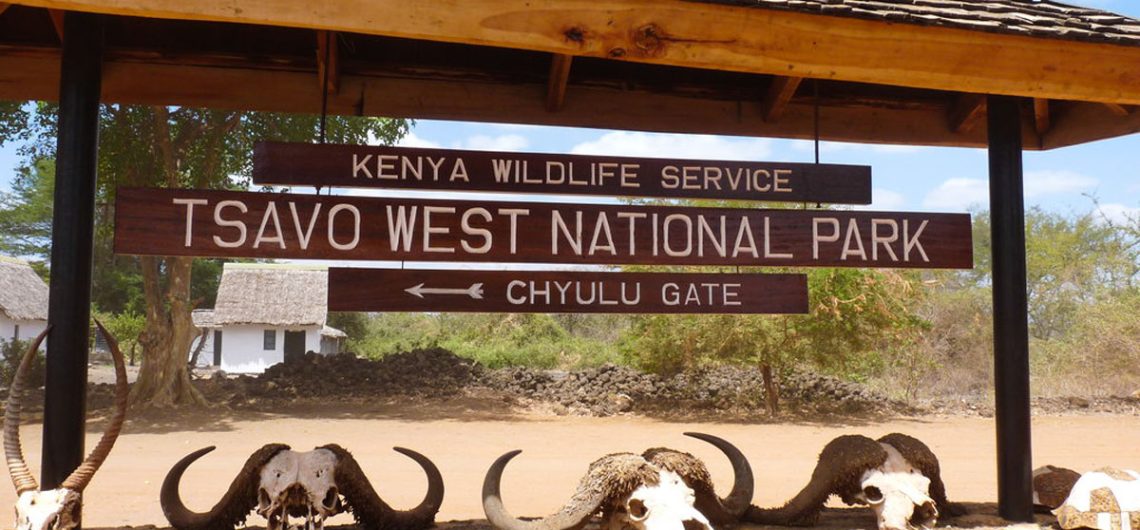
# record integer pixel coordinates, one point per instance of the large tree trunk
(164, 378)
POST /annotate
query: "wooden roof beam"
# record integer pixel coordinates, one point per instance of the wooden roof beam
(966, 112)
(708, 36)
(1041, 117)
(57, 21)
(1119, 110)
(780, 92)
(332, 53)
(3, 6)
(558, 81)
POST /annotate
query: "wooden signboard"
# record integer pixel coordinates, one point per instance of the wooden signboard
(362, 166)
(175, 222)
(564, 292)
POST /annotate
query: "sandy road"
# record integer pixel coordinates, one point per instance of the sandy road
(557, 450)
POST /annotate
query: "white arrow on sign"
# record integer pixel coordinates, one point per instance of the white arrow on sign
(475, 291)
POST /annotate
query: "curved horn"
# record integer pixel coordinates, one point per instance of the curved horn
(13, 453)
(738, 500)
(82, 475)
(582, 505)
(234, 506)
(369, 509)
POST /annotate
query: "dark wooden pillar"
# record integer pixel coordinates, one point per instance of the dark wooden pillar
(73, 227)
(1011, 320)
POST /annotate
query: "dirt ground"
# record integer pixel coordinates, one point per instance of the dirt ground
(463, 437)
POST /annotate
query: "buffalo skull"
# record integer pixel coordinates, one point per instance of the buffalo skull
(279, 483)
(59, 508)
(660, 489)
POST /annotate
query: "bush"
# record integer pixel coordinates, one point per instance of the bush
(13, 352)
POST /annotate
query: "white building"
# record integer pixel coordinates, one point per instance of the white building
(264, 312)
(23, 301)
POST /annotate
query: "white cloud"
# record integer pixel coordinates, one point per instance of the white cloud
(1119, 214)
(884, 199)
(411, 140)
(958, 194)
(504, 142)
(699, 146)
(1050, 182)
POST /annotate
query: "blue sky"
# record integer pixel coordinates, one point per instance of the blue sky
(904, 178)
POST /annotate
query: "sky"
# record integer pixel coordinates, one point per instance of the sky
(1104, 175)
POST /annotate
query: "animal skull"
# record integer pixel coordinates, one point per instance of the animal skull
(667, 505)
(899, 494)
(299, 484)
(57, 509)
(660, 489)
(280, 483)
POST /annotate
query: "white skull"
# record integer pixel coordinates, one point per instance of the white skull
(56, 509)
(899, 494)
(668, 505)
(295, 484)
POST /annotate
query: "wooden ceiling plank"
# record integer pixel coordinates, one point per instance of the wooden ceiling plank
(57, 21)
(1119, 110)
(702, 35)
(967, 112)
(780, 92)
(1041, 117)
(557, 82)
(328, 38)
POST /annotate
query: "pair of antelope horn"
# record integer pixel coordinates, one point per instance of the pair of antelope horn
(22, 478)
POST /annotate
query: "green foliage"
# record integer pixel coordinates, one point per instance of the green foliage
(495, 340)
(126, 327)
(12, 353)
(26, 211)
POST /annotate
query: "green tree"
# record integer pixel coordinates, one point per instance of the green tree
(25, 212)
(179, 147)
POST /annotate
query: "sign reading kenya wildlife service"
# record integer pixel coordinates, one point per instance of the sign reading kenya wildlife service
(362, 166)
(176, 222)
(564, 292)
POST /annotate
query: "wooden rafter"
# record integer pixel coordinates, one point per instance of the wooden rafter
(3, 6)
(780, 92)
(1041, 117)
(328, 38)
(707, 36)
(966, 112)
(1119, 110)
(57, 21)
(556, 84)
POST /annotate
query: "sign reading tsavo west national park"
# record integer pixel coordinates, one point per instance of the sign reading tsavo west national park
(564, 292)
(268, 225)
(455, 170)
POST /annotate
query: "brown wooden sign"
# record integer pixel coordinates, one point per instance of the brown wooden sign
(564, 292)
(272, 225)
(362, 166)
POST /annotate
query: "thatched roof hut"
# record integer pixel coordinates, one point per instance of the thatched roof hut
(23, 295)
(270, 294)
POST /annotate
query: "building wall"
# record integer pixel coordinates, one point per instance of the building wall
(243, 347)
(28, 329)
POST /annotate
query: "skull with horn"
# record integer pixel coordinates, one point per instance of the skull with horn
(279, 483)
(57, 509)
(660, 489)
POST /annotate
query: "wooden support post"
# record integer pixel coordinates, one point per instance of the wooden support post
(1011, 311)
(1041, 118)
(73, 228)
(780, 92)
(328, 39)
(966, 112)
(57, 16)
(559, 78)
